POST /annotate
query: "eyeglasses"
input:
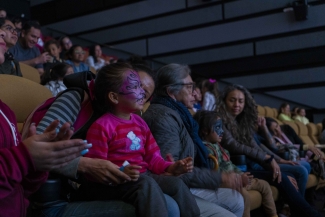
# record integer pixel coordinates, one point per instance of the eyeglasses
(10, 29)
(189, 86)
(79, 52)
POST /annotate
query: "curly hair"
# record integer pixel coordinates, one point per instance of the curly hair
(241, 127)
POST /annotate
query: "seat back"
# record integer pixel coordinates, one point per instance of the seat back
(293, 125)
(313, 132)
(260, 110)
(319, 128)
(269, 112)
(93, 70)
(303, 133)
(30, 73)
(22, 95)
(278, 121)
(276, 113)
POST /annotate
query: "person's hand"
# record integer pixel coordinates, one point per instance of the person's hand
(132, 171)
(48, 154)
(276, 171)
(247, 178)
(231, 180)
(316, 151)
(282, 161)
(102, 171)
(293, 182)
(181, 166)
(43, 58)
(261, 122)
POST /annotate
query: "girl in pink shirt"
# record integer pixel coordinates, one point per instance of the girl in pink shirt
(122, 137)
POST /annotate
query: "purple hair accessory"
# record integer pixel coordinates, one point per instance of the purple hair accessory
(212, 80)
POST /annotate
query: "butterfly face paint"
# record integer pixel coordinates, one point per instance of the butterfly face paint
(131, 87)
(218, 127)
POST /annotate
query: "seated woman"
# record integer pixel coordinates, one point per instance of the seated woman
(211, 133)
(284, 134)
(95, 57)
(284, 112)
(238, 111)
(301, 116)
(176, 132)
(23, 163)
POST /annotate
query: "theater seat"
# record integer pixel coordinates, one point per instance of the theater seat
(303, 133)
(30, 73)
(269, 112)
(276, 113)
(293, 125)
(22, 95)
(313, 132)
(260, 110)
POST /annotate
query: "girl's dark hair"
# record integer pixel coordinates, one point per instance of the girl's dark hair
(55, 73)
(206, 121)
(109, 79)
(299, 109)
(92, 52)
(212, 87)
(71, 50)
(143, 68)
(268, 122)
(52, 41)
(243, 126)
(283, 105)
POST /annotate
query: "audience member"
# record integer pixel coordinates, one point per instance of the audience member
(76, 57)
(238, 111)
(176, 132)
(22, 162)
(3, 13)
(301, 116)
(211, 132)
(210, 93)
(18, 23)
(198, 99)
(94, 59)
(284, 112)
(294, 111)
(25, 50)
(118, 95)
(66, 44)
(10, 65)
(53, 48)
(53, 78)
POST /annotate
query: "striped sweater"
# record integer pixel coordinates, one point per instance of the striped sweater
(117, 140)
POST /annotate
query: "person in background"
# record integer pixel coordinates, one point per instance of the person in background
(198, 99)
(301, 116)
(76, 57)
(25, 50)
(53, 78)
(3, 13)
(18, 23)
(210, 93)
(322, 134)
(294, 111)
(284, 112)
(53, 48)
(10, 65)
(94, 59)
(66, 44)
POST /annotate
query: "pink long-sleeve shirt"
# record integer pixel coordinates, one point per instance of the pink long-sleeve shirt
(117, 140)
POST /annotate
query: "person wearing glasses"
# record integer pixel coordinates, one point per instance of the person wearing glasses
(10, 66)
(25, 50)
(76, 57)
(176, 133)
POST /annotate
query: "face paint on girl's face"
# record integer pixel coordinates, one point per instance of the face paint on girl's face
(218, 127)
(131, 87)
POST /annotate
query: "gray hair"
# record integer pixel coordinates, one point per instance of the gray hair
(168, 76)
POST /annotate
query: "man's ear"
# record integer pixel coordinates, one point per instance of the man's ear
(113, 97)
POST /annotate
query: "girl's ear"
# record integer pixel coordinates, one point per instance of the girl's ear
(113, 97)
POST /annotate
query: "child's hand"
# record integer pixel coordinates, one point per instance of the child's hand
(182, 166)
(246, 179)
(132, 171)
